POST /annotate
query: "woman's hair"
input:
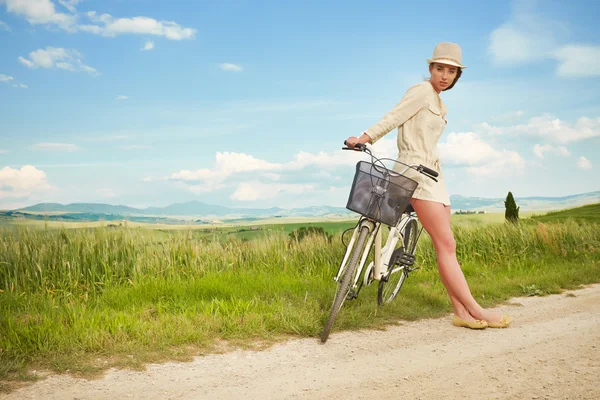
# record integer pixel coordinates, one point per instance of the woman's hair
(458, 75)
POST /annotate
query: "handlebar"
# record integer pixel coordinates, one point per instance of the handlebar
(357, 147)
(428, 171)
(420, 167)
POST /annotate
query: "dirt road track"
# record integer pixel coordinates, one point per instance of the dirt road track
(552, 351)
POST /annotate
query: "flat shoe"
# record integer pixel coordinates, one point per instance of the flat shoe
(477, 324)
(503, 323)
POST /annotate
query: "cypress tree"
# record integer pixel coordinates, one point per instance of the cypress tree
(511, 214)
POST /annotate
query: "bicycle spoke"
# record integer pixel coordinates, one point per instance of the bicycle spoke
(400, 263)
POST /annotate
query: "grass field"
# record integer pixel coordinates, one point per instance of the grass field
(88, 298)
(242, 230)
(585, 214)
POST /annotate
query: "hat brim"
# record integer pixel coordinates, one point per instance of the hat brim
(446, 61)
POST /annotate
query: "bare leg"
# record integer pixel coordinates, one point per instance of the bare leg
(435, 218)
(459, 309)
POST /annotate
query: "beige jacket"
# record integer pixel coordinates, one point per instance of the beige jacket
(420, 119)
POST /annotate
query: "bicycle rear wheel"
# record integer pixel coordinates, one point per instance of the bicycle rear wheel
(345, 282)
(392, 282)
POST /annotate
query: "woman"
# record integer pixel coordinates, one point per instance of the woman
(421, 118)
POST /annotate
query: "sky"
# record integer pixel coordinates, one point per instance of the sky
(247, 103)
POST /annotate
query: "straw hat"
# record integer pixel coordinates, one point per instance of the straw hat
(447, 53)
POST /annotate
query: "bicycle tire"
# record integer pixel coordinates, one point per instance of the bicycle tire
(345, 283)
(390, 285)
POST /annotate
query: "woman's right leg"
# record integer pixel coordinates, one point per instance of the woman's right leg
(435, 218)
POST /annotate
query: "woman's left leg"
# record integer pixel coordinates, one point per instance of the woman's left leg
(435, 218)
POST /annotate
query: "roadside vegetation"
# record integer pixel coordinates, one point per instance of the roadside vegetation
(83, 300)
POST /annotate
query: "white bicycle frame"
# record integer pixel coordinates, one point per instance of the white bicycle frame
(383, 255)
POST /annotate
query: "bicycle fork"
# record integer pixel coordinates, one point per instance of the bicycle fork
(373, 231)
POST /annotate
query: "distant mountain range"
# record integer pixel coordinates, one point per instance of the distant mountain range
(525, 203)
(202, 212)
(195, 209)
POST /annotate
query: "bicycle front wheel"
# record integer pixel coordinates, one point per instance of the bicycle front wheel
(392, 282)
(345, 282)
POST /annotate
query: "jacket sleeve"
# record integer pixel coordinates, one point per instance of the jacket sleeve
(413, 100)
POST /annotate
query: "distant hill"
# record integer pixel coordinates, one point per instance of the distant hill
(525, 203)
(93, 217)
(199, 208)
(589, 213)
(92, 208)
(201, 211)
(187, 209)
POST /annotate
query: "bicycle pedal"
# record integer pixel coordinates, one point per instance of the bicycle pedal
(407, 259)
(351, 295)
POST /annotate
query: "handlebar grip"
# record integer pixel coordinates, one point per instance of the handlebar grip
(429, 171)
(358, 146)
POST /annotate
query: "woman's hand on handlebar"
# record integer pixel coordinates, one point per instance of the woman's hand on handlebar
(352, 141)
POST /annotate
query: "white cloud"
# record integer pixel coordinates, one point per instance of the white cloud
(539, 150)
(509, 45)
(552, 128)
(563, 151)
(19, 183)
(53, 57)
(70, 4)
(44, 12)
(149, 45)
(229, 166)
(41, 12)
(55, 146)
(489, 129)
(4, 27)
(560, 131)
(3, 151)
(231, 67)
(255, 190)
(470, 151)
(231, 163)
(26, 62)
(122, 97)
(506, 118)
(6, 78)
(110, 26)
(322, 159)
(384, 148)
(20, 86)
(525, 37)
(204, 187)
(584, 163)
(578, 60)
(226, 164)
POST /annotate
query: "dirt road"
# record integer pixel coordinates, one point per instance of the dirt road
(552, 351)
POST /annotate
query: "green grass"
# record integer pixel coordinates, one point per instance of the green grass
(259, 231)
(589, 213)
(87, 299)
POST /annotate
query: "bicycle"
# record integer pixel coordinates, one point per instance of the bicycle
(382, 197)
